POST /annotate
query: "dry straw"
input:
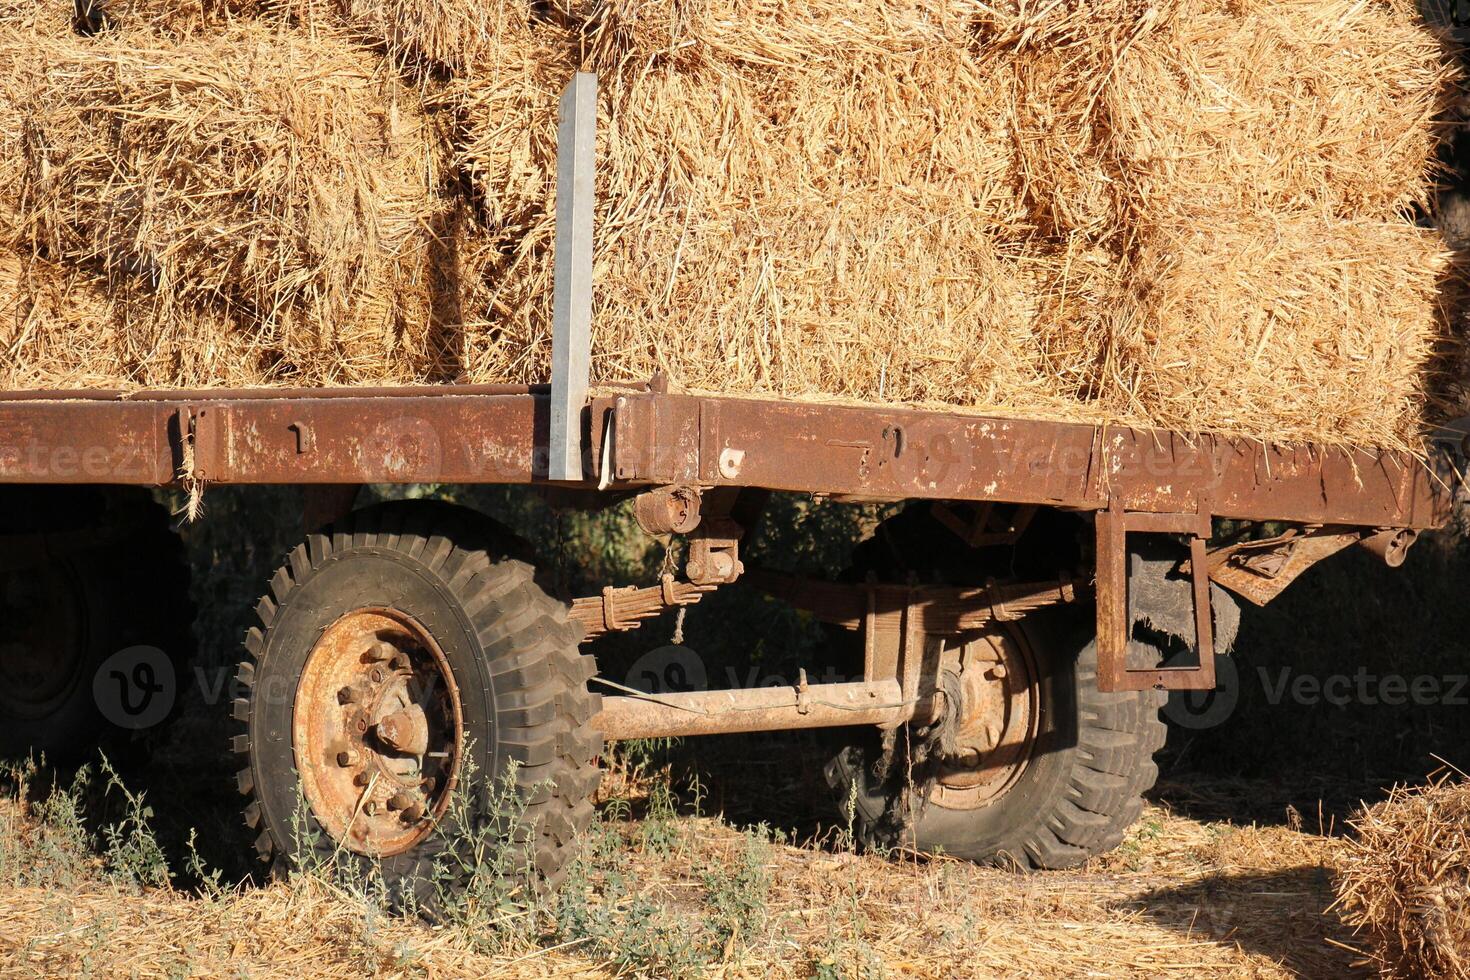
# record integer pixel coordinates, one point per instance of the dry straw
(271, 185)
(1187, 213)
(1406, 884)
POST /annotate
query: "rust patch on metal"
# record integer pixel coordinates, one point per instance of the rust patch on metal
(377, 732)
(993, 712)
(618, 609)
(759, 709)
(1259, 570)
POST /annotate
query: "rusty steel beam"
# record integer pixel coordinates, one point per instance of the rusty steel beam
(423, 437)
(499, 434)
(897, 453)
(87, 442)
(888, 609)
(760, 709)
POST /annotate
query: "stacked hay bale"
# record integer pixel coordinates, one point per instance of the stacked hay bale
(1185, 213)
(1406, 884)
(253, 202)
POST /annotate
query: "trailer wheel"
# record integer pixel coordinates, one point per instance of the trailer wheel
(1031, 767)
(410, 695)
(91, 580)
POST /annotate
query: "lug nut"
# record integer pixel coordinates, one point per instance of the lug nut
(360, 725)
(346, 758)
(997, 672)
(428, 783)
(377, 675)
(346, 696)
(413, 813)
(361, 779)
(371, 809)
(379, 652)
(399, 801)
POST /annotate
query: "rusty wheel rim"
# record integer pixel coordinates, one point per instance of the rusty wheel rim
(994, 676)
(377, 731)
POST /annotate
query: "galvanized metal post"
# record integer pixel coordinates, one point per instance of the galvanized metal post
(571, 342)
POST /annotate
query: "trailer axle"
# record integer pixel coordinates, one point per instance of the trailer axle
(762, 709)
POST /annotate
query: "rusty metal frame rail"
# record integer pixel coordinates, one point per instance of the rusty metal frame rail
(897, 453)
(500, 434)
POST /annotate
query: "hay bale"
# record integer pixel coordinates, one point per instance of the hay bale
(1234, 318)
(800, 207)
(1188, 213)
(438, 36)
(268, 179)
(1271, 106)
(1405, 885)
(1022, 208)
(62, 329)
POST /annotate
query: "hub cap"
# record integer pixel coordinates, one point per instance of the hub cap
(377, 731)
(993, 677)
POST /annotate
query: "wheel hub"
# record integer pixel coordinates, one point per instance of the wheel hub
(992, 678)
(377, 731)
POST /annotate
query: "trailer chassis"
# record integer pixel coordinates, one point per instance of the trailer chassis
(676, 450)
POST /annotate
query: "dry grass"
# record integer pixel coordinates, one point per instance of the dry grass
(62, 329)
(1406, 884)
(1180, 896)
(308, 928)
(1189, 213)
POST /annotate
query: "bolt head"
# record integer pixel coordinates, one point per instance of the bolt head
(377, 675)
(360, 725)
(380, 651)
(346, 696)
(997, 672)
(346, 758)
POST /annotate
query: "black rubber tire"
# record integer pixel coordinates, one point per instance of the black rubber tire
(512, 651)
(115, 554)
(1084, 785)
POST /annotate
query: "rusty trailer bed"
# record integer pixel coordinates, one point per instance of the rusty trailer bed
(499, 434)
